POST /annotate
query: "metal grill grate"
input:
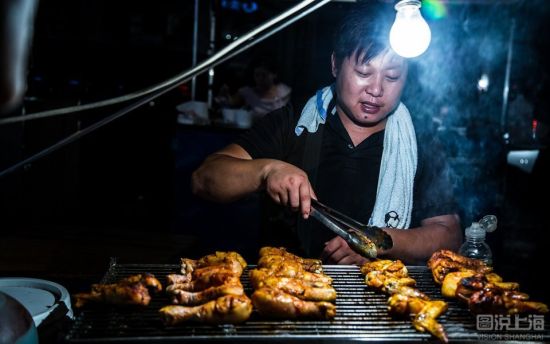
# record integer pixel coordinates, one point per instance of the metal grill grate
(361, 315)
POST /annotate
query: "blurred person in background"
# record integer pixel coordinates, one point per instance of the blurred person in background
(265, 95)
(353, 147)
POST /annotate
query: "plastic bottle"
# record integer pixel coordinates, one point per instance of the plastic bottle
(475, 245)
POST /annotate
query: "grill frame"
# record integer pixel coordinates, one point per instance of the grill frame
(361, 315)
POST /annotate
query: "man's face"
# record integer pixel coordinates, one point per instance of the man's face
(367, 93)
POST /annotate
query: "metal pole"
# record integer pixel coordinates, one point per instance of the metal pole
(506, 88)
(211, 49)
(195, 46)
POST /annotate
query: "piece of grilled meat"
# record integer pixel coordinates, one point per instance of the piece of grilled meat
(228, 260)
(443, 262)
(392, 278)
(228, 309)
(275, 303)
(190, 298)
(424, 312)
(270, 255)
(310, 291)
(472, 281)
(133, 290)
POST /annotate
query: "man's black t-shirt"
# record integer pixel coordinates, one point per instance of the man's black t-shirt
(346, 178)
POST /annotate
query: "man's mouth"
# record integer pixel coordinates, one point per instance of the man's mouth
(370, 108)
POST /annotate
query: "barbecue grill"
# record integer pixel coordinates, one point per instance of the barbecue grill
(361, 316)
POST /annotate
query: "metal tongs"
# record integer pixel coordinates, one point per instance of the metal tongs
(362, 238)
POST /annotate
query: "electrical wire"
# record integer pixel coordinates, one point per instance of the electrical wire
(178, 79)
(157, 91)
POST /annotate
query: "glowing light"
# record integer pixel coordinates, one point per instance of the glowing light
(483, 83)
(434, 9)
(410, 35)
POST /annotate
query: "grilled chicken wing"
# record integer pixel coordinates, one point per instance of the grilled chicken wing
(424, 312)
(228, 309)
(394, 268)
(387, 282)
(451, 282)
(133, 290)
(500, 301)
(472, 281)
(392, 278)
(275, 303)
(443, 262)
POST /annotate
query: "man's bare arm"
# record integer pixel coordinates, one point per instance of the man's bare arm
(416, 245)
(231, 173)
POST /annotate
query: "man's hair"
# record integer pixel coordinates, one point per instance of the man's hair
(365, 30)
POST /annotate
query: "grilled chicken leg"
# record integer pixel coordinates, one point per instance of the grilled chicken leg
(228, 309)
(275, 303)
(132, 290)
(310, 291)
(190, 298)
(258, 275)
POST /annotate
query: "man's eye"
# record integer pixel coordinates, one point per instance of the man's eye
(364, 74)
(393, 78)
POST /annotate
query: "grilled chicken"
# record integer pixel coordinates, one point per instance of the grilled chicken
(443, 262)
(310, 291)
(387, 282)
(473, 282)
(395, 268)
(392, 278)
(451, 281)
(206, 281)
(258, 275)
(228, 309)
(228, 260)
(189, 298)
(275, 303)
(206, 276)
(501, 301)
(133, 290)
(424, 312)
(463, 284)
(269, 255)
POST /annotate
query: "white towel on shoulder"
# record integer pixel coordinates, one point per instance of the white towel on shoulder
(394, 196)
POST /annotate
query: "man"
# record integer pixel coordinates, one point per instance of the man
(354, 148)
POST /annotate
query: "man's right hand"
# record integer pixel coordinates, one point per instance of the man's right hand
(288, 185)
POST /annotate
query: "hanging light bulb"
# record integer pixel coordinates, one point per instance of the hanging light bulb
(410, 34)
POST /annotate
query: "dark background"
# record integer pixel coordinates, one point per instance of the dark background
(124, 189)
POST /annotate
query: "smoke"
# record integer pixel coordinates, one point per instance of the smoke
(442, 95)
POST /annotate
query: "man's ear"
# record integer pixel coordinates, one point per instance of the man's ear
(333, 65)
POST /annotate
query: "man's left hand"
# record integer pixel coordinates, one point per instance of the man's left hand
(337, 251)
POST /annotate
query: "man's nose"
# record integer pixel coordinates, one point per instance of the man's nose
(375, 88)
